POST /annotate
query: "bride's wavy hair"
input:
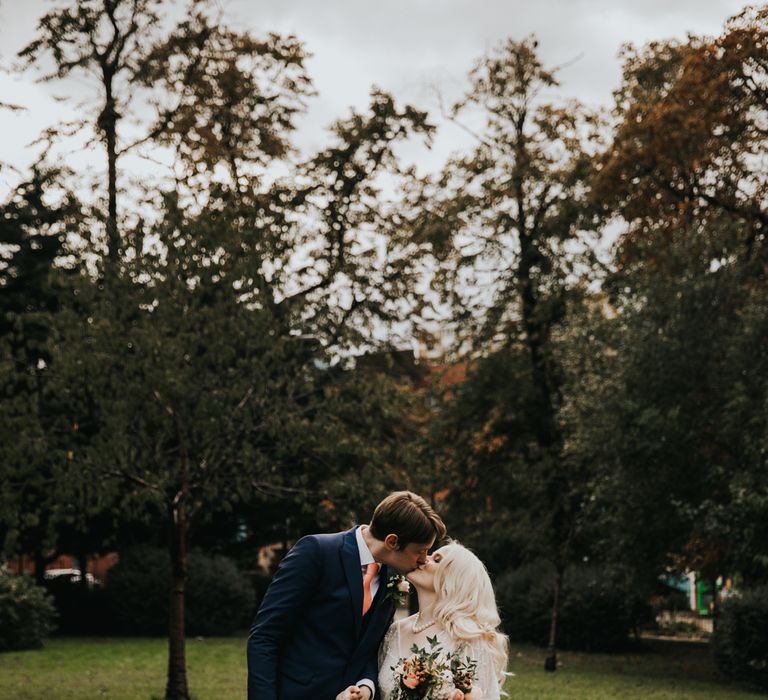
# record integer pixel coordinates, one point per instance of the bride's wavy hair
(465, 603)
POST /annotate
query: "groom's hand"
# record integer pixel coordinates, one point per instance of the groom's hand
(355, 692)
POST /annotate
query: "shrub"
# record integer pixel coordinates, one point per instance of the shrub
(219, 599)
(525, 602)
(596, 611)
(137, 591)
(740, 639)
(27, 613)
(81, 610)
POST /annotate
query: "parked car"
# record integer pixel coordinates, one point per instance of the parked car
(73, 575)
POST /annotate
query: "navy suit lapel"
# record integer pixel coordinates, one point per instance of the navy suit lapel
(381, 593)
(350, 559)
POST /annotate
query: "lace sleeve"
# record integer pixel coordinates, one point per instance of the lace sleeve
(486, 685)
(389, 653)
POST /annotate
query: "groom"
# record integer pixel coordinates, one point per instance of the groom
(317, 632)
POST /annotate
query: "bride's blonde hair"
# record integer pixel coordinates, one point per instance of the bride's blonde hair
(465, 604)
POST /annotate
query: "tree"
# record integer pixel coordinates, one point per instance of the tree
(673, 410)
(691, 117)
(213, 95)
(104, 38)
(34, 224)
(507, 223)
(209, 287)
(201, 402)
(689, 294)
(223, 98)
(207, 387)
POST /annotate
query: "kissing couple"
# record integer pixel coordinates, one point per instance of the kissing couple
(325, 629)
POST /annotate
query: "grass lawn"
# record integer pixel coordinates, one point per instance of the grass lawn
(664, 670)
(134, 669)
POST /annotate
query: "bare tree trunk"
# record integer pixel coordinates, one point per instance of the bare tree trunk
(537, 334)
(176, 688)
(550, 663)
(537, 331)
(112, 235)
(108, 124)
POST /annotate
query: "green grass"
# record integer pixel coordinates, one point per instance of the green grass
(134, 669)
(664, 670)
(120, 669)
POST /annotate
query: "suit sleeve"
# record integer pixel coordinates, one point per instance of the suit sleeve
(287, 595)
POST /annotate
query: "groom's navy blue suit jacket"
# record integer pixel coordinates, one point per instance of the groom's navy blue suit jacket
(309, 640)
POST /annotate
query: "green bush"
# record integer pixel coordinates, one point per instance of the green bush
(27, 613)
(525, 602)
(137, 591)
(596, 611)
(219, 599)
(81, 610)
(740, 639)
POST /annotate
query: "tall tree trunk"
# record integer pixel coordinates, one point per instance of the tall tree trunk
(112, 235)
(107, 123)
(550, 663)
(536, 335)
(176, 688)
(537, 323)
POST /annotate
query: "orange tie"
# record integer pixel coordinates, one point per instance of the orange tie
(370, 571)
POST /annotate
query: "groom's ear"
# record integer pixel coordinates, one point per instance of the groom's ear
(392, 542)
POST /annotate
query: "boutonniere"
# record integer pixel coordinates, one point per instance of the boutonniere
(398, 589)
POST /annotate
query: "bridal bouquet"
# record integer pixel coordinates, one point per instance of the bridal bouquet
(425, 676)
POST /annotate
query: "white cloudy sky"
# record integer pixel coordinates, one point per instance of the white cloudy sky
(404, 46)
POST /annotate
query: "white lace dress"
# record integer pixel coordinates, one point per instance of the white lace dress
(394, 648)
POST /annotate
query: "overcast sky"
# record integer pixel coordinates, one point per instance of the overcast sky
(403, 46)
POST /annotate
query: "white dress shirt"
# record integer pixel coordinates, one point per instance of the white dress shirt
(366, 558)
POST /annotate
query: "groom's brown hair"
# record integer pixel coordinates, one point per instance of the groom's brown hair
(408, 516)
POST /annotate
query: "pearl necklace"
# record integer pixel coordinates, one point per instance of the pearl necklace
(420, 627)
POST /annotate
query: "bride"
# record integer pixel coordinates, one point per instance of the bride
(458, 607)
